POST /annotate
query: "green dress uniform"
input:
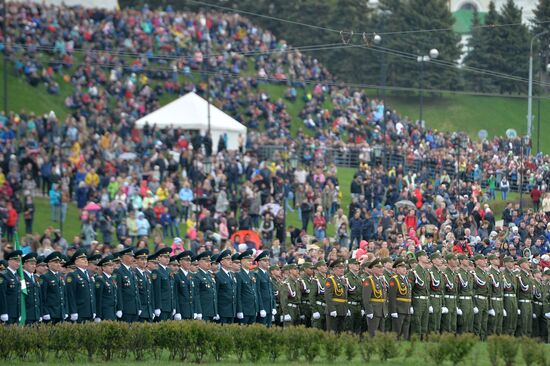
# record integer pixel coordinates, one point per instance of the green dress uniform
(482, 292)
(465, 314)
(290, 301)
(420, 280)
(436, 300)
(374, 301)
(266, 294)
(184, 292)
(54, 305)
(145, 290)
(399, 302)
(226, 289)
(207, 298)
(277, 286)
(10, 296)
(248, 301)
(317, 300)
(33, 300)
(305, 284)
(106, 297)
(510, 286)
(128, 298)
(539, 326)
(163, 293)
(355, 294)
(496, 303)
(387, 278)
(525, 303)
(336, 298)
(451, 286)
(81, 295)
(546, 306)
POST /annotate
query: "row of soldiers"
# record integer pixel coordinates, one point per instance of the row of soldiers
(422, 295)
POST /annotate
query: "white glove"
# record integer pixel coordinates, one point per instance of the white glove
(431, 310)
(217, 317)
(139, 312)
(274, 312)
(370, 316)
(492, 312)
(40, 319)
(199, 316)
(333, 314)
(459, 311)
(173, 312)
(316, 315)
(157, 312)
(4, 317)
(195, 316)
(476, 310)
(302, 317)
(74, 317)
(504, 313)
(240, 316)
(362, 313)
(93, 315)
(534, 316)
(411, 310)
(281, 318)
(394, 315)
(177, 316)
(547, 315)
(66, 316)
(519, 312)
(348, 313)
(287, 318)
(263, 314)
(47, 317)
(272, 318)
(444, 310)
(119, 314)
(97, 320)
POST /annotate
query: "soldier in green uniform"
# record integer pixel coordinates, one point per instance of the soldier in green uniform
(436, 308)
(291, 296)
(482, 292)
(451, 286)
(226, 289)
(277, 283)
(52, 286)
(265, 288)
(106, 291)
(538, 312)
(128, 299)
(10, 289)
(336, 297)
(41, 266)
(33, 300)
(206, 298)
(496, 303)
(144, 285)
(420, 279)
(387, 262)
(355, 296)
(525, 299)
(317, 296)
(464, 311)
(399, 300)
(93, 268)
(546, 302)
(374, 298)
(163, 291)
(80, 289)
(184, 286)
(510, 286)
(306, 286)
(248, 297)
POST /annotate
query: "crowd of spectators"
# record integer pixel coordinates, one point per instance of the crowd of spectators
(180, 188)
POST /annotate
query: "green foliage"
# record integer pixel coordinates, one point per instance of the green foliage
(410, 349)
(459, 346)
(332, 345)
(386, 346)
(276, 338)
(350, 341)
(509, 347)
(493, 349)
(295, 342)
(437, 349)
(255, 337)
(113, 338)
(142, 339)
(223, 342)
(313, 350)
(532, 351)
(367, 348)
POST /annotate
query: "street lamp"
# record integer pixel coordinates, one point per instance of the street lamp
(434, 53)
(530, 93)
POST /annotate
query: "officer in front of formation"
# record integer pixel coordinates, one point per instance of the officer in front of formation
(265, 288)
(399, 300)
(52, 286)
(226, 289)
(33, 300)
(128, 304)
(187, 303)
(336, 297)
(163, 293)
(106, 290)
(10, 289)
(205, 288)
(248, 301)
(80, 289)
(144, 285)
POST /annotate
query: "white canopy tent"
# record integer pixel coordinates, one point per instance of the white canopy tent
(92, 4)
(190, 112)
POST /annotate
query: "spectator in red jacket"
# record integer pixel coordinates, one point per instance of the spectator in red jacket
(410, 220)
(462, 247)
(11, 221)
(535, 196)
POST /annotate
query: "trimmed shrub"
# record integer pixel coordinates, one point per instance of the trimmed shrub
(509, 347)
(532, 351)
(313, 349)
(460, 346)
(386, 346)
(332, 345)
(350, 341)
(222, 341)
(493, 349)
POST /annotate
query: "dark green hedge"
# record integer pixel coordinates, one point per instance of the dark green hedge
(195, 341)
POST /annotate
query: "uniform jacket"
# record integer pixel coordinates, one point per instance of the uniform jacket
(33, 300)
(207, 297)
(81, 294)
(226, 288)
(106, 297)
(10, 295)
(53, 295)
(163, 292)
(248, 301)
(185, 294)
(128, 299)
(145, 290)
(336, 295)
(374, 296)
(399, 295)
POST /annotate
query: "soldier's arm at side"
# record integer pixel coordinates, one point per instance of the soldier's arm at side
(3, 299)
(70, 287)
(239, 305)
(259, 293)
(367, 291)
(99, 298)
(392, 296)
(44, 295)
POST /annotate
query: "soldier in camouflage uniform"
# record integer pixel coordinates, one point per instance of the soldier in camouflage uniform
(290, 295)
(510, 286)
(354, 283)
(496, 307)
(317, 296)
(464, 311)
(436, 308)
(538, 312)
(525, 299)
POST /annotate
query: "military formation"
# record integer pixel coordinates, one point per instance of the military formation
(420, 295)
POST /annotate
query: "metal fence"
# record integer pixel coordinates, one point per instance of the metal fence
(378, 155)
